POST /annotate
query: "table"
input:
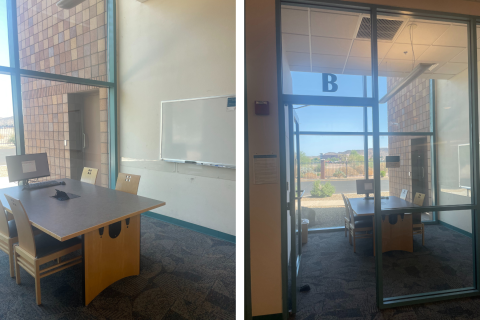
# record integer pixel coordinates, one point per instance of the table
(107, 220)
(395, 236)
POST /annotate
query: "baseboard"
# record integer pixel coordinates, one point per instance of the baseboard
(191, 226)
(277, 316)
(449, 226)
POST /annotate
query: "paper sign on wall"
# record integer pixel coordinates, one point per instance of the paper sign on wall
(265, 169)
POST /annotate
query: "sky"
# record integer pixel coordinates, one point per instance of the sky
(336, 119)
(6, 109)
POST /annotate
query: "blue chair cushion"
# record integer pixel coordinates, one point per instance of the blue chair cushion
(12, 229)
(47, 245)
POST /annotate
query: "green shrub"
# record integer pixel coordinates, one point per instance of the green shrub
(382, 173)
(322, 191)
(339, 174)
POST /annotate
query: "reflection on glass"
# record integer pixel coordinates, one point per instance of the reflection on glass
(330, 118)
(434, 266)
(326, 52)
(69, 42)
(7, 131)
(69, 123)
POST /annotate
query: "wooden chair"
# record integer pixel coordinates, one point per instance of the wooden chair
(33, 251)
(359, 228)
(403, 195)
(9, 236)
(127, 183)
(418, 226)
(89, 175)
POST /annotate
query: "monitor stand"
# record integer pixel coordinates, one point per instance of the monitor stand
(367, 197)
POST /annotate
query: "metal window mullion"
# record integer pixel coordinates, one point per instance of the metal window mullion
(433, 147)
(474, 145)
(112, 101)
(376, 162)
(365, 128)
(15, 78)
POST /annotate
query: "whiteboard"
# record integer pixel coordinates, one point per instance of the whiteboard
(198, 130)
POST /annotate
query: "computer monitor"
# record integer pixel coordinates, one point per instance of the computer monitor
(27, 166)
(365, 186)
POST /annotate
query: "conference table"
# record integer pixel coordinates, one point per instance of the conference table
(107, 220)
(397, 228)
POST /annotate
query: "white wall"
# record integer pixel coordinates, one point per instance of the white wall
(169, 50)
(452, 118)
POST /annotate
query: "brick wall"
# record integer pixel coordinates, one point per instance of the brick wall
(69, 42)
(408, 111)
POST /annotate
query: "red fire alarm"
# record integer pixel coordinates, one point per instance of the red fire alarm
(262, 108)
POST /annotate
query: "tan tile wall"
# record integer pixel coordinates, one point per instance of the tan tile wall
(46, 128)
(68, 42)
(408, 111)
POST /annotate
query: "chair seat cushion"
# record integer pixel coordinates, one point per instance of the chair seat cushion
(47, 245)
(12, 229)
(363, 223)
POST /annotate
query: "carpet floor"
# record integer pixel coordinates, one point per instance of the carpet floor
(343, 283)
(184, 275)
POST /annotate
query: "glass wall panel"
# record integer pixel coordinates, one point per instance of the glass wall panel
(423, 86)
(70, 123)
(443, 262)
(326, 52)
(7, 130)
(4, 53)
(70, 42)
(329, 165)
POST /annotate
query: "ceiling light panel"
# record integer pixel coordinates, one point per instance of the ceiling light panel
(295, 21)
(333, 25)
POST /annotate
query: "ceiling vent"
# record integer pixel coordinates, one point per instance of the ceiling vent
(386, 29)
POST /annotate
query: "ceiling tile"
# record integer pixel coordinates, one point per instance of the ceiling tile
(424, 33)
(300, 68)
(455, 36)
(397, 51)
(439, 54)
(359, 63)
(333, 46)
(451, 68)
(333, 25)
(361, 48)
(295, 21)
(328, 70)
(331, 61)
(296, 43)
(298, 59)
(461, 57)
(357, 72)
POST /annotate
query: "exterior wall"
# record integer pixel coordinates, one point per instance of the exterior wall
(68, 42)
(408, 111)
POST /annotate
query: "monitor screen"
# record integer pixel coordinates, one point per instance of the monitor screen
(27, 166)
(365, 186)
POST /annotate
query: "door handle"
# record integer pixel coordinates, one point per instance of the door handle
(301, 195)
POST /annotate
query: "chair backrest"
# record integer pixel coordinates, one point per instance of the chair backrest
(404, 193)
(419, 197)
(24, 228)
(127, 183)
(350, 211)
(89, 175)
(347, 213)
(3, 222)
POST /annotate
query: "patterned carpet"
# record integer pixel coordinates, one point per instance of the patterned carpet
(184, 275)
(343, 283)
